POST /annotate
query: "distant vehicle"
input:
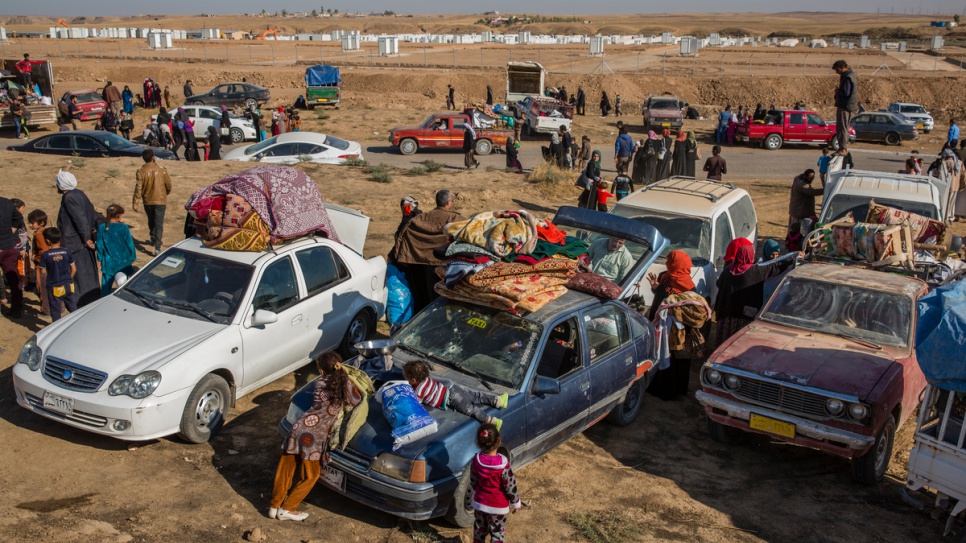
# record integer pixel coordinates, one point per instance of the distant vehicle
(697, 216)
(88, 143)
(204, 116)
(882, 126)
(230, 94)
(42, 74)
(445, 131)
(542, 115)
(323, 86)
(294, 147)
(523, 80)
(915, 113)
(790, 126)
(663, 112)
(90, 102)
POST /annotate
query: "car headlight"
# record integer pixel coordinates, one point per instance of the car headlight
(137, 386)
(835, 407)
(858, 411)
(400, 468)
(713, 377)
(732, 382)
(31, 354)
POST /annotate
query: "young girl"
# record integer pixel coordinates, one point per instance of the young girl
(603, 193)
(494, 487)
(115, 248)
(307, 442)
(37, 220)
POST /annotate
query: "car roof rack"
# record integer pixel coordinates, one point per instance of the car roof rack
(689, 185)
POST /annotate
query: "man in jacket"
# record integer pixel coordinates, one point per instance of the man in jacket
(187, 89)
(25, 67)
(112, 95)
(846, 103)
(450, 97)
(11, 221)
(152, 186)
(801, 204)
(414, 248)
(952, 137)
(623, 149)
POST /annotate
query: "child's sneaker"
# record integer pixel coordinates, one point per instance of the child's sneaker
(297, 516)
(497, 422)
(502, 400)
(273, 513)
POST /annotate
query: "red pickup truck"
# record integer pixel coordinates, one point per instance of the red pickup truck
(445, 131)
(790, 126)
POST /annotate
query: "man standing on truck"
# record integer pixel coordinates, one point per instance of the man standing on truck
(846, 103)
(469, 147)
(25, 66)
(801, 203)
(450, 97)
(623, 149)
(581, 101)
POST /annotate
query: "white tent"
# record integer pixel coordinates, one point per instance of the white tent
(791, 42)
(821, 44)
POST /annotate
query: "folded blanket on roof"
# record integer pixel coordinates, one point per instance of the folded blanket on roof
(285, 198)
(511, 297)
(502, 233)
(554, 267)
(548, 231)
(467, 249)
(463, 293)
(572, 248)
(457, 269)
(236, 228)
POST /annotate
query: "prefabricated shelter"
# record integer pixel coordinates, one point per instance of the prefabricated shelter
(936, 42)
(350, 41)
(597, 45)
(210, 33)
(689, 46)
(159, 39)
(523, 37)
(388, 45)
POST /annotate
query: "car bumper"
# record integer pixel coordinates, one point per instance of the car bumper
(98, 412)
(807, 433)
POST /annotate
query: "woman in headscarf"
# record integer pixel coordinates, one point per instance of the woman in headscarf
(588, 198)
(638, 163)
(652, 148)
(664, 162)
(226, 123)
(604, 104)
(676, 302)
(513, 155)
(489, 95)
(190, 140)
(957, 182)
(740, 289)
(214, 143)
(691, 155)
(679, 164)
(282, 120)
(77, 222)
(128, 98)
(759, 114)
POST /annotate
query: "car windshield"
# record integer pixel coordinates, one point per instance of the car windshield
(664, 104)
(252, 149)
(429, 122)
(859, 206)
(494, 344)
(689, 234)
(190, 284)
(914, 109)
(338, 143)
(844, 310)
(113, 141)
(88, 97)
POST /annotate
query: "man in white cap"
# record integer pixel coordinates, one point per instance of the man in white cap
(77, 222)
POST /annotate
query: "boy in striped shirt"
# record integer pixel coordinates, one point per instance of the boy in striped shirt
(454, 397)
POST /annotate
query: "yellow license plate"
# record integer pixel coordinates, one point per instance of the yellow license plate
(919, 126)
(772, 426)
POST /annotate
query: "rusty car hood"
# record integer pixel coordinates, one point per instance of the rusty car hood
(809, 359)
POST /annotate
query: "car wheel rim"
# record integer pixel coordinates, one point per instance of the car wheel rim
(237, 136)
(882, 450)
(357, 331)
(208, 410)
(632, 398)
(407, 147)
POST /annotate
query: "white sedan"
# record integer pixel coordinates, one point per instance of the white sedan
(294, 147)
(242, 129)
(173, 348)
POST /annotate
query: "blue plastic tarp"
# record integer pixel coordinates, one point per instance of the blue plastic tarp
(317, 76)
(941, 336)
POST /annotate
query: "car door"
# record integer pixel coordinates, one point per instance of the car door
(280, 153)
(87, 146)
(552, 418)
(795, 126)
(816, 129)
(329, 297)
(611, 358)
(862, 126)
(274, 348)
(456, 131)
(203, 118)
(219, 95)
(58, 144)
(317, 153)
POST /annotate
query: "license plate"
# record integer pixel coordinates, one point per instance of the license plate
(666, 125)
(58, 403)
(772, 426)
(334, 478)
(919, 126)
(742, 138)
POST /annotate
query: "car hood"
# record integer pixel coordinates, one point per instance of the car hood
(119, 337)
(238, 154)
(664, 112)
(805, 359)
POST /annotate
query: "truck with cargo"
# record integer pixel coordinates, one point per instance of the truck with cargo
(523, 80)
(445, 131)
(38, 114)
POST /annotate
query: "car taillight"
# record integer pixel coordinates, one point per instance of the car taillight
(349, 157)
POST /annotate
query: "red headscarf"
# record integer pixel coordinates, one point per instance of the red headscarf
(682, 136)
(678, 276)
(744, 259)
(733, 248)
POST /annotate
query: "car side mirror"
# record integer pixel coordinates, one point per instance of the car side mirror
(263, 317)
(956, 244)
(806, 227)
(546, 385)
(120, 278)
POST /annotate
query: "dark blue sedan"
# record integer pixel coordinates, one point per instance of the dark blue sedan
(88, 143)
(574, 362)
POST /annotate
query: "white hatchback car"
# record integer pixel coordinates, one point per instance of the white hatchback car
(173, 348)
(294, 147)
(241, 130)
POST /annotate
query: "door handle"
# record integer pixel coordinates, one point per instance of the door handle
(297, 319)
(585, 386)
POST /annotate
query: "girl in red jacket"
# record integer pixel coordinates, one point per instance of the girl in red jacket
(494, 487)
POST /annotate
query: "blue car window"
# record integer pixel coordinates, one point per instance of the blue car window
(606, 331)
(563, 352)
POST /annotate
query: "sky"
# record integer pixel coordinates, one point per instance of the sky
(72, 8)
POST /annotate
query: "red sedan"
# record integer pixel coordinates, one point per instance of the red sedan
(90, 102)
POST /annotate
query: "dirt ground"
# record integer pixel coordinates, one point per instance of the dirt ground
(660, 479)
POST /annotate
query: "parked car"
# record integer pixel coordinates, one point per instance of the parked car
(90, 102)
(445, 131)
(915, 113)
(581, 359)
(663, 112)
(791, 126)
(88, 143)
(542, 115)
(698, 216)
(194, 330)
(242, 129)
(852, 190)
(293, 147)
(828, 364)
(230, 94)
(889, 128)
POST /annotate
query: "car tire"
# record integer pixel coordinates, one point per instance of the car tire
(408, 146)
(833, 143)
(527, 131)
(237, 135)
(869, 468)
(251, 103)
(460, 512)
(773, 142)
(726, 435)
(626, 410)
(206, 408)
(926, 131)
(892, 139)
(484, 147)
(197, 103)
(359, 329)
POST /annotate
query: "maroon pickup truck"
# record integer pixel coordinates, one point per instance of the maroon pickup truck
(445, 131)
(790, 126)
(828, 364)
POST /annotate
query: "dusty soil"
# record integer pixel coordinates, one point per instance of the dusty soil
(660, 479)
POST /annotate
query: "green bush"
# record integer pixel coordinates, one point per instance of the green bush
(354, 162)
(432, 166)
(378, 173)
(113, 173)
(321, 114)
(416, 171)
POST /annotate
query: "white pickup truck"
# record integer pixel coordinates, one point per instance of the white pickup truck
(915, 113)
(852, 190)
(543, 115)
